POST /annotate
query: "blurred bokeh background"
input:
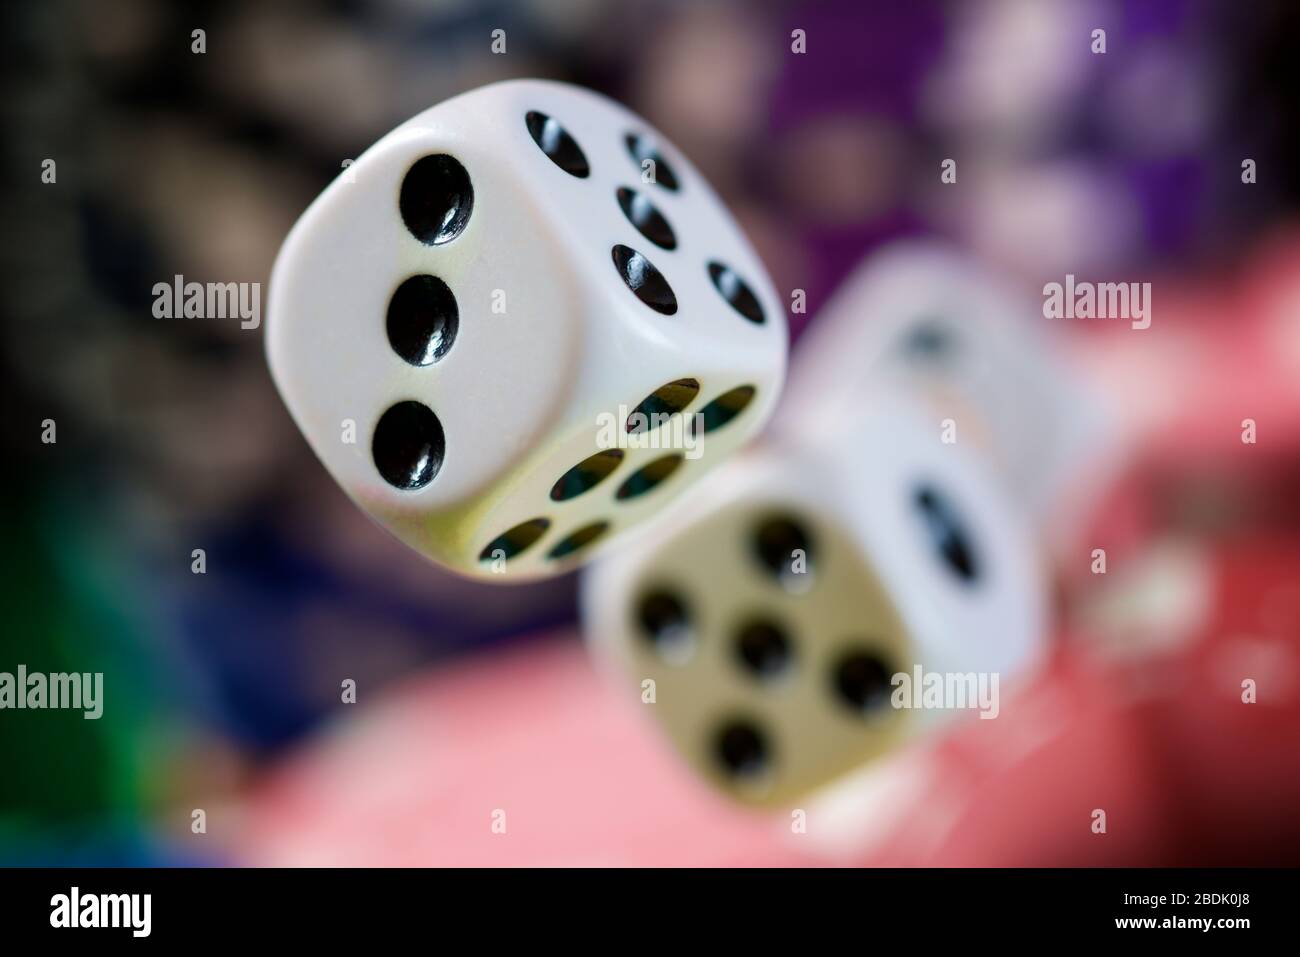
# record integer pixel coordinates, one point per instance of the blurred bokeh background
(170, 436)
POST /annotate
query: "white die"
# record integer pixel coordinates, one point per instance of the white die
(479, 294)
(926, 318)
(768, 617)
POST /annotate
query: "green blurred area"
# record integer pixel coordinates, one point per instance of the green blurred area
(66, 603)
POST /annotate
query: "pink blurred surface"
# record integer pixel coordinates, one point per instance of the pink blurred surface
(414, 779)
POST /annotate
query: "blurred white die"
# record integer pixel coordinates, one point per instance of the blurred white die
(923, 317)
(768, 618)
(466, 321)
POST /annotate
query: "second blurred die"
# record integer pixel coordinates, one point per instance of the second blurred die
(775, 624)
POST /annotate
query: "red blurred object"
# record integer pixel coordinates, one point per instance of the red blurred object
(1218, 353)
(1232, 769)
(1186, 772)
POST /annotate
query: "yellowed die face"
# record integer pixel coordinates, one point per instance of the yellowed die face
(771, 643)
(547, 514)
